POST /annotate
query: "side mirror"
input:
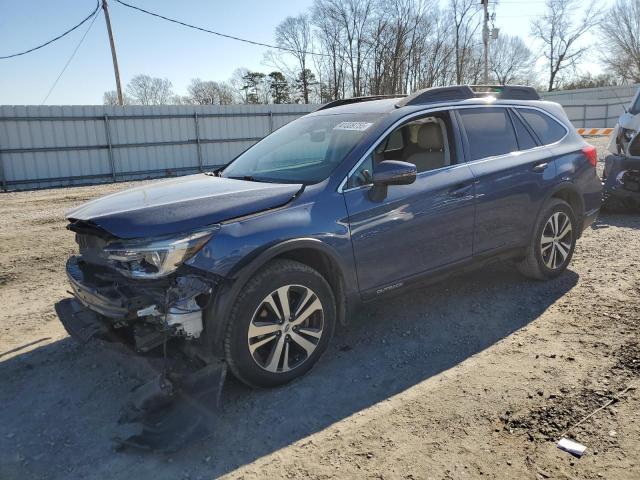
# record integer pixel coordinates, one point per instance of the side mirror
(391, 172)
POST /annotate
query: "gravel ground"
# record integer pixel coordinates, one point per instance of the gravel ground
(476, 377)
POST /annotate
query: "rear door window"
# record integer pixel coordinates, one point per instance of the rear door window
(489, 132)
(546, 128)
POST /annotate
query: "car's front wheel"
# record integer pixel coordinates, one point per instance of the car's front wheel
(553, 242)
(280, 324)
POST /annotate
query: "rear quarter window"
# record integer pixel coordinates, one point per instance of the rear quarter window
(546, 128)
(489, 132)
(525, 139)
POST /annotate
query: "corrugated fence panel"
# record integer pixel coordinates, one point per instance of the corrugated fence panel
(594, 107)
(47, 146)
(45, 151)
(597, 113)
(586, 95)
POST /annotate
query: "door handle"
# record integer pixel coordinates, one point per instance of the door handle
(541, 167)
(460, 190)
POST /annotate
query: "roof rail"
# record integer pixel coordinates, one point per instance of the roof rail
(437, 94)
(465, 92)
(508, 92)
(347, 101)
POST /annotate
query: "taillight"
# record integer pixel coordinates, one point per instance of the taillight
(592, 154)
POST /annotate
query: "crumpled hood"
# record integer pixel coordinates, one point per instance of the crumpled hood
(181, 204)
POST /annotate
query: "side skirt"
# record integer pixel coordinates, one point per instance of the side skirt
(440, 274)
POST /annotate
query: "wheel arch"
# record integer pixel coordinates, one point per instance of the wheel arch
(309, 251)
(569, 193)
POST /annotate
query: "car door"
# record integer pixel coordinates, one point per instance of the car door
(513, 175)
(419, 227)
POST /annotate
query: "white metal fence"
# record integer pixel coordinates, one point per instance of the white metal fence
(594, 107)
(43, 146)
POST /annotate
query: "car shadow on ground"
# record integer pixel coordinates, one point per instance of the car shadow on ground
(61, 401)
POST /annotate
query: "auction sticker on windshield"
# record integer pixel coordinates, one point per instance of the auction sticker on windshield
(358, 126)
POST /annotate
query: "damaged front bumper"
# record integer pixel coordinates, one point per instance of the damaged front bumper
(145, 312)
(621, 182)
(162, 322)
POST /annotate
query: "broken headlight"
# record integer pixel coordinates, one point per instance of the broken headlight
(156, 257)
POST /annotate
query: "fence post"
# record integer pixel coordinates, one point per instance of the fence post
(107, 132)
(3, 179)
(606, 116)
(270, 121)
(195, 119)
(584, 115)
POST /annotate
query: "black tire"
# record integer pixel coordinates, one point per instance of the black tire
(274, 275)
(533, 265)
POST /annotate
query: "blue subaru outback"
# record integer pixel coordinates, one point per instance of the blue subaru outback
(255, 263)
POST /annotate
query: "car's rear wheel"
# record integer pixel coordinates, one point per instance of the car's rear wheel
(280, 324)
(553, 242)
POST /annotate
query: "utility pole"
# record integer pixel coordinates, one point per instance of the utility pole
(116, 71)
(485, 39)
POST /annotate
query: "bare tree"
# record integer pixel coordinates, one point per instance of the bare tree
(181, 100)
(237, 84)
(351, 20)
(209, 92)
(560, 31)
(511, 61)
(587, 80)
(146, 90)
(382, 47)
(466, 25)
(294, 34)
(111, 98)
(394, 36)
(620, 32)
(329, 36)
(434, 58)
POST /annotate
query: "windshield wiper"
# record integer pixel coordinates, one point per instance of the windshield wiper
(247, 178)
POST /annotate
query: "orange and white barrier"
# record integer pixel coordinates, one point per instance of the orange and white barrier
(594, 131)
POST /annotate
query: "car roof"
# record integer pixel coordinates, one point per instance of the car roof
(436, 97)
(389, 105)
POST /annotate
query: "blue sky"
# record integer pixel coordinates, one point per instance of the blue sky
(153, 46)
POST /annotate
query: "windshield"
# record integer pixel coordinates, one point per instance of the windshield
(303, 151)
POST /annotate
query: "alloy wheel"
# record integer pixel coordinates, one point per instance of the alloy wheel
(286, 328)
(556, 241)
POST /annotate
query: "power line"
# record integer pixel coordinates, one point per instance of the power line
(95, 15)
(239, 39)
(56, 38)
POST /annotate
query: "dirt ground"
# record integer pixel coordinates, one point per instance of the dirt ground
(473, 378)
